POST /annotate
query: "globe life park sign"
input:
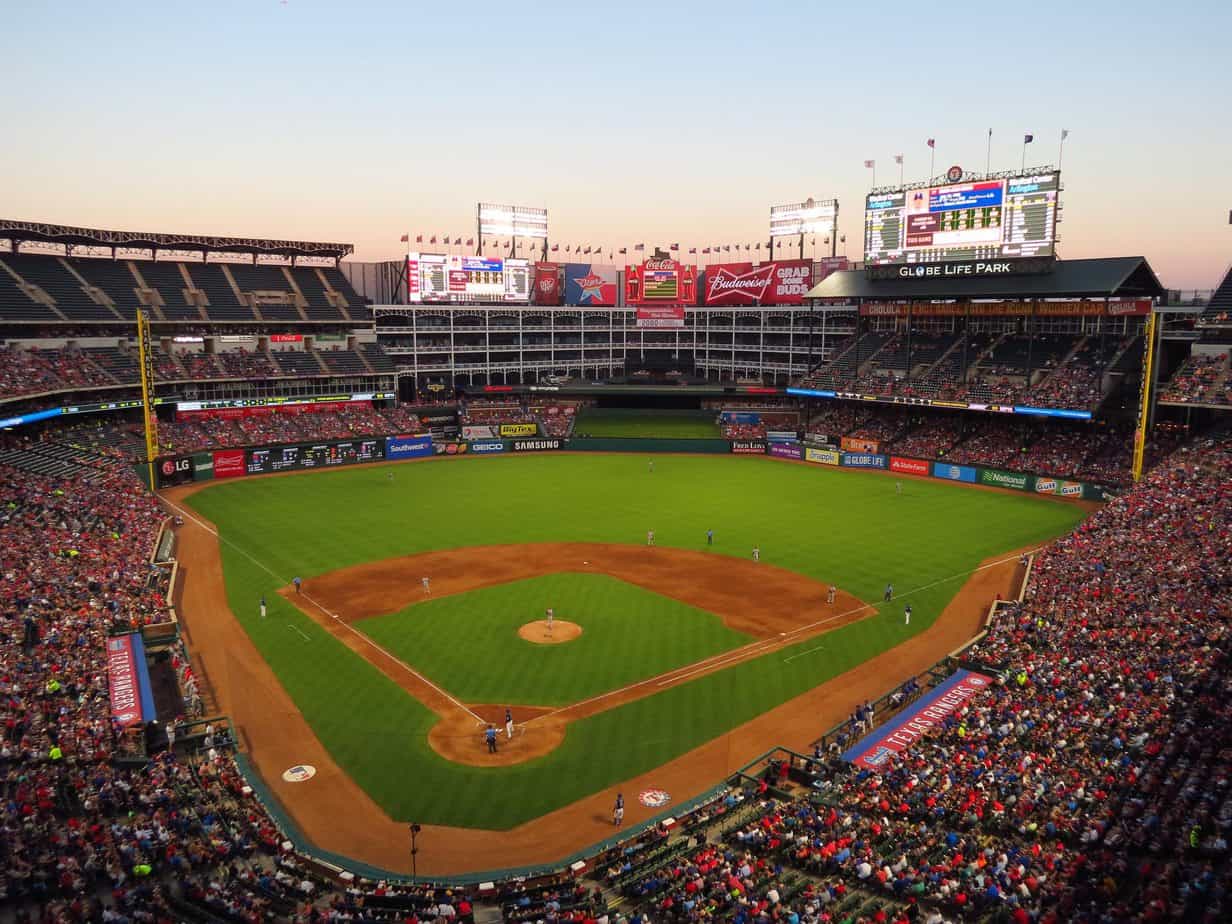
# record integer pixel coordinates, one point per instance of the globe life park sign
(964, 269)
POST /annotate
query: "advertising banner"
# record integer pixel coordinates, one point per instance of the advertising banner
(787, 450)
(1053, 309)
(450, 448)
(855, 444)
(535, 445)
(228, 463)
(408, 447)
(873, 750)
(1061, 488)
(176, 470)
(203, 466)
(660, 290)
(478, 433)
(783, 282)
(428, 421)
(954, 472)
(128, 680)
(529, 429)
(908, 466)
(591, 284)
(1002, 479)
(782, 436)
(740, 417)
(661, 316)
(547, 284)
(267, 459)
(863, 460)
(486, 447)
(827, 265)
(748, 447)
(823, 456)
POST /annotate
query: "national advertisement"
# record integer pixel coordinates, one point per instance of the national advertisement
(408, 447)
(529, 429)
(535, 445)
(863, 460)
(823, 456)
(591, 284)
(228, 463)
(748, 447)
(783, 282)
(478, 432)
(787, 450)
(1002, 479)
(908, 466)
(915, 722)
(857, 444)
(954, 472)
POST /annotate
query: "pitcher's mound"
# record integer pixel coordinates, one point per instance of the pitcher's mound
(562, 631)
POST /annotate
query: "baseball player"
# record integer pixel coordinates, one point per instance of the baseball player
(390, 474)
(508, 723)
(710, 537)
(427, 586)
(490, 737)
(756, 553)
(889, 593)
(263, 607)
(651, 469)
(618, 810)
(650, 537)
(296, 581)
(898, 487)
(830, 594)
(907, 615)
(551, 617)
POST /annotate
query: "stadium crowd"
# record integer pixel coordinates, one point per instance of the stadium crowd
(1201, 379)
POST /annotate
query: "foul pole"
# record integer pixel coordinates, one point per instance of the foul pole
(147, 400)
(1144, 399)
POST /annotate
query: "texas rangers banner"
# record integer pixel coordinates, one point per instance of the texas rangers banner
(784, 282)
(547, 284)
(872, 751)
(128, 680)
(591, 284)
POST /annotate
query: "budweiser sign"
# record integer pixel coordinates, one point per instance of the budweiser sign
(784, 282)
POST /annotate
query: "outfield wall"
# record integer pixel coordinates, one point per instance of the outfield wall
(262, 460)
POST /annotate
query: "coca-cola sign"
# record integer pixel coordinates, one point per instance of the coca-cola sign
(784, 282)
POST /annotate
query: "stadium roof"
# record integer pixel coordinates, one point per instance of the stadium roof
(1111, 277)
(92, 237)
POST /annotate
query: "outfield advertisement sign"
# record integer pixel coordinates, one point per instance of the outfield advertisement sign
(1001, 479)
(908, 466)
(863, 460)
(873, 751)
(856, 444)
(486, 447)
(963, 473)
(535, 445)
(203, 466)
(748, 447)
(823, 456)
(174, 470)
(229, 463)
(787, 450)
(450, 448)
(523, 429)
(268, 459)
(1060, 488)
(408, 447)
(782, 436)
(478, 433)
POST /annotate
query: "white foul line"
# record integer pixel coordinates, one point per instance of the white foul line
(803, 653)
(410, 670)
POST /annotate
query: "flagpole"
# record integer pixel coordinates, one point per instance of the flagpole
(1023, 165)
(988, 155)
(900, 170)
(932, 162)
(1061, 149)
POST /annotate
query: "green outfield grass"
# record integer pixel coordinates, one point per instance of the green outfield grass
(682, 425)
(837, 526)
(468, 643)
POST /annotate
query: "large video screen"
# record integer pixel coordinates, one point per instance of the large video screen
(440, 278)
(978, 220)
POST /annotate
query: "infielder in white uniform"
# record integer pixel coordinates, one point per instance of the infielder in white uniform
(551, 614)
(756, 553)
(650, 537)
(508, 723)
(427, 586)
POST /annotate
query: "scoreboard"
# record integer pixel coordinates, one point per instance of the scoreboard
(1008, 218)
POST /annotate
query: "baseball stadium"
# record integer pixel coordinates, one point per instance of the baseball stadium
(512, 579)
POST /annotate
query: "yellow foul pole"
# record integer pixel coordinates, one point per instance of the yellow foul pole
(147, 397)
(1144, 398)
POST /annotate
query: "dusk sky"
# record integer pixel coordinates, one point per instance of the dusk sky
(629, 122)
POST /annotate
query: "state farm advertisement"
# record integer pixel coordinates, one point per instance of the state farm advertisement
(784, 282)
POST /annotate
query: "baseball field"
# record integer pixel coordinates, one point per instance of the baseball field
(656, 652)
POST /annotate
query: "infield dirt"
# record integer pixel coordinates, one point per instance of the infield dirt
(337, 815)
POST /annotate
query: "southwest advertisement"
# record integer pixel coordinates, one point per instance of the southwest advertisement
(591, 284)
(408, 447)
(784, 282)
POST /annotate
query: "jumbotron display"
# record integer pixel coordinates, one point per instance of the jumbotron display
(981, 219)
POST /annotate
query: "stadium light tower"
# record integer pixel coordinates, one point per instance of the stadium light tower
(797, 219)
(512, 221)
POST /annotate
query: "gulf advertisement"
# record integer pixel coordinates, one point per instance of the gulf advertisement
(863, 460)
(783, 282)
(1060, 488)
(748, 447)
(965, 473)
(856, 444)
(823, 456)
(908, 466)
(408, 447)
(591, 284)
(873, 751)
(786, 450)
